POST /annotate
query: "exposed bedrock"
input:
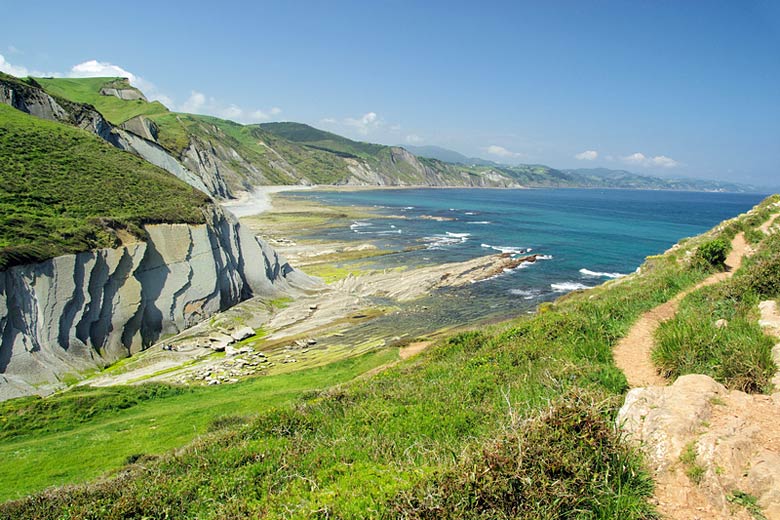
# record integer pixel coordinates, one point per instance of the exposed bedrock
(77, 312)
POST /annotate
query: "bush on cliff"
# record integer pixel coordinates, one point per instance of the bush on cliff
(714, 252)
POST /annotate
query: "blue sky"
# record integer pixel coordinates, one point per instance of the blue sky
(676, 88)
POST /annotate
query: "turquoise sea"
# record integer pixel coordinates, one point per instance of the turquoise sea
(585, 236)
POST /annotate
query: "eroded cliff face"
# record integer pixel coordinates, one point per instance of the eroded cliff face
(77, 312)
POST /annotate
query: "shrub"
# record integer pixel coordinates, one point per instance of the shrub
(566, 462)
(714, 252)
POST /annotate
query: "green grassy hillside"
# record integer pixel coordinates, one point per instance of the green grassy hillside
(513, 421)
(63, 189)
(315, 138)
(74, 436)
(87, 90)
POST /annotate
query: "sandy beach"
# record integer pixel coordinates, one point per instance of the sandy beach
(258, 201)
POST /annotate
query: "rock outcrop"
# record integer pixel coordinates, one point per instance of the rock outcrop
(78, 312)
(706, 444)
(124, 93)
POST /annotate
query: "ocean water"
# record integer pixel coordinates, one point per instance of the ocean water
(585, 237)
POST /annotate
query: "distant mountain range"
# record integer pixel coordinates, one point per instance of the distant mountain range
(597, 177)
(224, 158)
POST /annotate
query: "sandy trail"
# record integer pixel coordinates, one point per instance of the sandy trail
(632, 353)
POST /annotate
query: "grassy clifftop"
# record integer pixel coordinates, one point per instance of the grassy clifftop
(87, 90)
(63, 189)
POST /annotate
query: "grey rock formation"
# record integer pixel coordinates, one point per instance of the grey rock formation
(35, 101)
(157, 155)
(79, 312)
(127, 94)
(142, 127)
(731, 435)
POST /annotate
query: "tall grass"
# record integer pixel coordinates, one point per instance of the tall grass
(716, 331)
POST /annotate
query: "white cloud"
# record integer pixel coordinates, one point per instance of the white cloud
(664, 161)
(14, 50)
(635, 158)
(194, 103)
(414, 139)
(105, 69)
(100, 69)
(500, 151)
(14, 70)
(365, 123)
(587, 155)
(640, 159)
(328, 121)
(199, 103)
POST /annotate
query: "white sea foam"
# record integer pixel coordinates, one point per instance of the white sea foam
(596, 274)
(358, 227)
(567, 286)
(480, 222)
(469, 213)
(448, 239)
(507, 249)
(527, 294)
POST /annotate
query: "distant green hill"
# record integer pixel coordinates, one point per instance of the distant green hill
(64, 190)
(315, 138)
(604, 177)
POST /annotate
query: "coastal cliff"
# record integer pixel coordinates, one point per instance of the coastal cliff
(78, 312)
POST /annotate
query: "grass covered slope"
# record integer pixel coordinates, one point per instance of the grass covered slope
(87, 90)
(513, 421)
(716, 330)
(63, 190)
(80, 434)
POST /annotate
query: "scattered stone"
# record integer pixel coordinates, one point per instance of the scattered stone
(218, 347)
(243, 333)
(218, 337)
(313, 307)
(721, 324)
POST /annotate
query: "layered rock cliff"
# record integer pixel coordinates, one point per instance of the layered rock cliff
(77, 312)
